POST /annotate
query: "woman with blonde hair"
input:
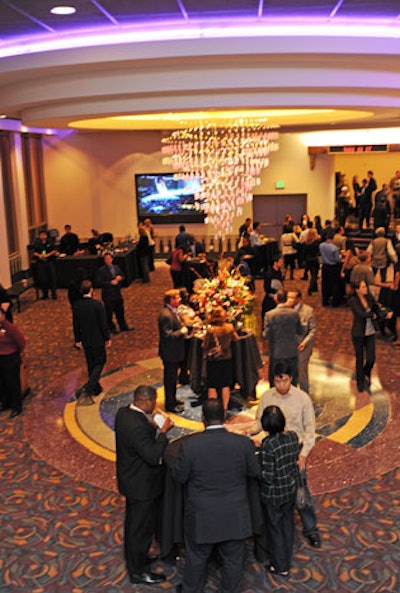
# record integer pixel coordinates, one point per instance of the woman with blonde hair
(218, 353)
(311, 258)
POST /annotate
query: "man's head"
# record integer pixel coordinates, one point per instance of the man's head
(213, 412)
(86, 287)
(364, 257)
(380, 231)
(370, 174)
(256, 226)
(172, 297)
(43, 235)
(282, 378)
(277, 262)
(273, 420)
(182, 228)
(281, 296)
(67, 228)
(294, 296)
(144, 398)
(330, 233)
(108, 259)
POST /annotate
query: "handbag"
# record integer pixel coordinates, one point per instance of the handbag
(301, 492)
(214, 353)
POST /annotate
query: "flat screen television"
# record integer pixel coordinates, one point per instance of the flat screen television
(167, 200)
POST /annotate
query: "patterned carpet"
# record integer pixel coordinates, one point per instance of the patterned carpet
(60, 533)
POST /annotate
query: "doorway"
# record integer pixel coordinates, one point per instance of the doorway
(271, 209)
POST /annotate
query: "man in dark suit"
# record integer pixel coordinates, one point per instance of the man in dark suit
(109, 278)
(91, 333)
(282, 327)
(215, 465)
(172, 333)
(140, 477)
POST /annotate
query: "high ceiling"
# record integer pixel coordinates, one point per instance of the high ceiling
(33, 17)
(337, 62)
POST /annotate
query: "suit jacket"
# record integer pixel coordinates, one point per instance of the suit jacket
(282, 326)
(109, 292)
(140, 472)
(172, 341)
(215, 465)
(89, 320)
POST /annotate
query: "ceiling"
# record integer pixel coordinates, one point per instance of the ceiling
(32, 17)
(337, 62)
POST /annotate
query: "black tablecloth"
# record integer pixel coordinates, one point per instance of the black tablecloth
(246, 364)
(173, 502)
(66, 267)
(263, 255)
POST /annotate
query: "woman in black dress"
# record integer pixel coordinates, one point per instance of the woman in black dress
(220, 334)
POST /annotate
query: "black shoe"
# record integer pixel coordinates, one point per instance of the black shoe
(178, 409)
(44, 297)
(314, 540)
(179, 402)
(113, 330)
(15, 413)
(282, 573)
(127, 329)
(54, 297)
(85, 399)
(147, 578)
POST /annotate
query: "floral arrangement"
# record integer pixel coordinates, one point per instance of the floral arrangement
(229, 290)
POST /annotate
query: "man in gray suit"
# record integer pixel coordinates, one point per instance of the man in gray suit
(215, 465)
(305, 341)
(282, 326)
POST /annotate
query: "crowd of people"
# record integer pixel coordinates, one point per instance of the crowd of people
(215, 465)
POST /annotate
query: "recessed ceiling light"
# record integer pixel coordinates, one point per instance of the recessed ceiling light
(63, 10)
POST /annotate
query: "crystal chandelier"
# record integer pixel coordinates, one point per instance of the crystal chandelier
(228, 160)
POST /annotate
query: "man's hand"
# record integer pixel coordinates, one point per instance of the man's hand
(108, 343)
(302, 462)
(301, 347)
(168, 424)
(184, 330)
(78, 345)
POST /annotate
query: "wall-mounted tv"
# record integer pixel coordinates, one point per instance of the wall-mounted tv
(167, 200)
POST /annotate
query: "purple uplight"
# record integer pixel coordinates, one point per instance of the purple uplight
(202, 29)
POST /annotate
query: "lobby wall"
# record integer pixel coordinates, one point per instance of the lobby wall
(89, 179)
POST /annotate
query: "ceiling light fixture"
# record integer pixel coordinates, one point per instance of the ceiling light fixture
(228, 160)
(63, 10)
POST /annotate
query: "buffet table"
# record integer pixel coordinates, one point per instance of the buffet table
(66, 266)
(246, 364)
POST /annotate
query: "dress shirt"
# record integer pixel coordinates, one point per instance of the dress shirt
(298, 410)
(329, 253)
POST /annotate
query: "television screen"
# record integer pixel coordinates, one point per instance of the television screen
(165, 199)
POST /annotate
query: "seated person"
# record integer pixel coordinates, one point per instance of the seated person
(245, 251)
(69, 242)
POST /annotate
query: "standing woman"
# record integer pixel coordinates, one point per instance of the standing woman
(177, 259)
(311, 258)
(12, 342)
(219, 370)
(278, 456)
(363, 306)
